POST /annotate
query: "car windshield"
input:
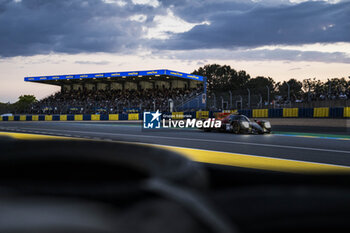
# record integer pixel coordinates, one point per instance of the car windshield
(243, 118)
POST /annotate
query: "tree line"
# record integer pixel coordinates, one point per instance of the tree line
(21, 105)
(224, 79)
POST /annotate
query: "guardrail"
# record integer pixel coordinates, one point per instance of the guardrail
(251, 113)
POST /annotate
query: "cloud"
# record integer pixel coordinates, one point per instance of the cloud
(240, 25)
(32, 27)
(92, 62)
(258, 55)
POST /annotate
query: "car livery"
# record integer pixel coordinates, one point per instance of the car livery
(237, 123)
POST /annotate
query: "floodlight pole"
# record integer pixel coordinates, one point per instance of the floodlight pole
(214, 100)
(288, 91)
(268, 95)
(248, 97)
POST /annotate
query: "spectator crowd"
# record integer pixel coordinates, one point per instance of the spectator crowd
(112, 101)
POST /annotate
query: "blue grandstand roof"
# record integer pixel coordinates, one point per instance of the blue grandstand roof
(115, 74)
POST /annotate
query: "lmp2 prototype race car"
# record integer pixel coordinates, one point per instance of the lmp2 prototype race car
(237, 123)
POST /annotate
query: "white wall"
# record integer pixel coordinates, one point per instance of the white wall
(89, 86)
(146, 85)
(66, 87)
(101, 86)
(76, 87)
(161, 83)
(130, 86)
(178, 84)
(116, 86)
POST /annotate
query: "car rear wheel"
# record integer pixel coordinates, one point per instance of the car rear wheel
(235, 128)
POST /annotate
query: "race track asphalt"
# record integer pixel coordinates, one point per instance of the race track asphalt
(327, 150)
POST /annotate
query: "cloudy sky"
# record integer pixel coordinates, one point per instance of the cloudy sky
(278, 38)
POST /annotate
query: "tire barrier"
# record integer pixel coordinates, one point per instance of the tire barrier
(260, 113)
(290, 112)
(321, 112)
(346, 112)
(337, 112)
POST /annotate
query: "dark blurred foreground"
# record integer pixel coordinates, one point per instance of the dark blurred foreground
(85, 186)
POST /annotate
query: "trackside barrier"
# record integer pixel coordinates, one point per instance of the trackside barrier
(63, 117)
(78, 117)
(104, 117)
(202, 114)
(336, 112)
(95, 117)
(276, 112)
(113, 117)
(133, 116)
(346, 112)
(306, 112)
(247, 112)
(56, 117)
(260, 113)
(212, 114)
(190, 115)
(86, 117)
(48, 117)
(290, 112)
(251, 113)
(321, 112)
(123, 116)
(70, 117)
(177, 115)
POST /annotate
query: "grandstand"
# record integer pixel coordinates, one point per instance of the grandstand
(118, 92)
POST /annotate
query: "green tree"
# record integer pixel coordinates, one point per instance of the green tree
(24, 102)
(222, 78)
(259, 86)
(296, 90)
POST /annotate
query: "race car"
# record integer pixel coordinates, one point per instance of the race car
(237, 123)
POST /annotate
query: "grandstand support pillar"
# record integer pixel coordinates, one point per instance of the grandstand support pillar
(171, 105)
